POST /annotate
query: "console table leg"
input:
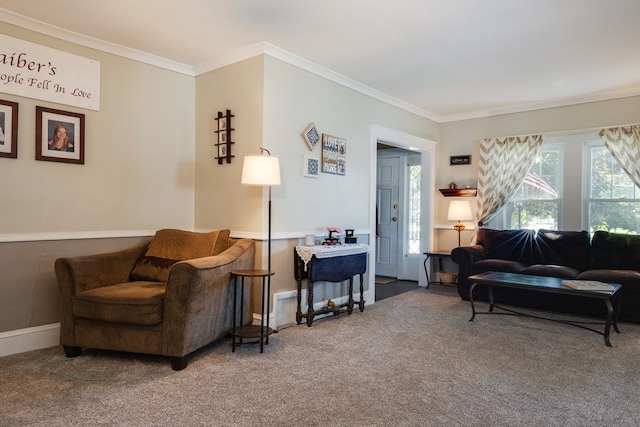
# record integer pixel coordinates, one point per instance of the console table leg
(309, 303)
(299, 298)
(361, 302)
(350, 305)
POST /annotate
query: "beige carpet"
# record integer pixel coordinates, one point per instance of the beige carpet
(410, 360)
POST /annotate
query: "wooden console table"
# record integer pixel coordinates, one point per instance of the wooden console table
(333, 264)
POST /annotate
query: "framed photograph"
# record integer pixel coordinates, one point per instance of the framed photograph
(9, 129)
(334, 155)
(222, 123)
(311, 136)
(310, 166)
(59, 136)
(460, 160)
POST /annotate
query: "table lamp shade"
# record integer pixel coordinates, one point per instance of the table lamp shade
(260, 170)
(459, 210)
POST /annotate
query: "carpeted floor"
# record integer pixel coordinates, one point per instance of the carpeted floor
(410, 360)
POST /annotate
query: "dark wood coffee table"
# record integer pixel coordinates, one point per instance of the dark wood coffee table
(550, 285)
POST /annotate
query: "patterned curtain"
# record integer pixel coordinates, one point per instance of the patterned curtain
(503, 165)
(624, 145)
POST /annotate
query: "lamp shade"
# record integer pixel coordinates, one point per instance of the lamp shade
(459, 210)
(260, 170)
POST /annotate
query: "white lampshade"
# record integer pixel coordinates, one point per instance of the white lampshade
(260, 170)
(459, 210)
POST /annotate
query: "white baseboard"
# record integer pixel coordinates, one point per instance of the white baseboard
(28, 339)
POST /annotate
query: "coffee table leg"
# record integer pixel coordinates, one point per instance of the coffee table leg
(490, 288)
(607, 325)
(473, 307)
(616, 312)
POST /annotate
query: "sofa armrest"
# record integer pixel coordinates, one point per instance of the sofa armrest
(82, 273)
(465, 256)
(198, 302)
(78, 274)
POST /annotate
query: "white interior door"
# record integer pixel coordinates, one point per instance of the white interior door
(387, 185)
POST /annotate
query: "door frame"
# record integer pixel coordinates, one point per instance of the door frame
(427, 149)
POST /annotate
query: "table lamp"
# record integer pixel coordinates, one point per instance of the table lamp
(459, 210)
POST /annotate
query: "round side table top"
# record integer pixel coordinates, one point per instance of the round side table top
(253, 273)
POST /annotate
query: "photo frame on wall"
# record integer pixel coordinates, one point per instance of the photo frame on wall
(310, 166)
(311, 136)
(59, 136)
(334, 155)
(8, 129)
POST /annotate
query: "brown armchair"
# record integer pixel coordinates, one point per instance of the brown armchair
(169, 298)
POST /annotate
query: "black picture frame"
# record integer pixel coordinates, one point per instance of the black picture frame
(460, 160)
(9, 129)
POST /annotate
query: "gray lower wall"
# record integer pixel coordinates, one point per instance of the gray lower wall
(28, 285)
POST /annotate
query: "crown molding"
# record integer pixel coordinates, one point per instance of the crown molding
(265, 48)
(93, 43)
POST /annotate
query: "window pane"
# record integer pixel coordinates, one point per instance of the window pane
(536, 203)
(414, 210)
(615, 217)
(533, 215)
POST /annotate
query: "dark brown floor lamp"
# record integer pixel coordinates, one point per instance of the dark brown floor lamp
(263, 170)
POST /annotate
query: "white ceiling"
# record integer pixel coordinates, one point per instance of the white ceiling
(449, 59)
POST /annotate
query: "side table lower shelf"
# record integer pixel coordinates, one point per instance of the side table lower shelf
(259, 332)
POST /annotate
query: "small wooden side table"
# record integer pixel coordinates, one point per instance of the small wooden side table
(263, 331)
(438, 255)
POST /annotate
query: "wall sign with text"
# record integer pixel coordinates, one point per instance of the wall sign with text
(460, 160)
(40, 72)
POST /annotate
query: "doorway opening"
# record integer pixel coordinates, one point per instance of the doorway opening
(398, 179)
(426, 150)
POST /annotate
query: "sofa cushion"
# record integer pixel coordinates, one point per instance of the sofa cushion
(629, 279)
(169, 246)
(615, 251)
(497, 265)
(512, 245)
(551, 271)
(570, 248)
(135, 303)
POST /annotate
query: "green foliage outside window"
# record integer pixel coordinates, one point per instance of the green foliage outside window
(613, 199)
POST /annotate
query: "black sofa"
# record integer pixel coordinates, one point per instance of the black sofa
(607, 257)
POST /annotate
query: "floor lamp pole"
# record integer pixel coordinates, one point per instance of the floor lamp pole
(269, 237)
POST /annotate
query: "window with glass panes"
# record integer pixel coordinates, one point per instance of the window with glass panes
(536, 203)
(613, 200)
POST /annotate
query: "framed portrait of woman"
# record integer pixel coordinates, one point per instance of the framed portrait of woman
(59, 136)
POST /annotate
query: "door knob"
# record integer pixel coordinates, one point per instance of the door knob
(395, 218)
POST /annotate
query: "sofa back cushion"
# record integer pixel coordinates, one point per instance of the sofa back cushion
(615, 251)
(512, 245)
(169, 246)
(567, 248)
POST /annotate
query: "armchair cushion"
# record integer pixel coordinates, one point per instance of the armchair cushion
(134, 303)
(170, 246)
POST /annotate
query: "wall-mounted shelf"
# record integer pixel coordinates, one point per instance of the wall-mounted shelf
(459, 192)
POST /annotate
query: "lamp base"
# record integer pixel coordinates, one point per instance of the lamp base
(459, 227)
